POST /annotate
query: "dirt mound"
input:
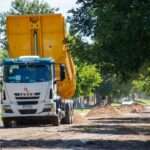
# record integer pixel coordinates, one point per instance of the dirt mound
(134, 108)
(113, 111)
(137, 108)
(99, 110)
(78, 119)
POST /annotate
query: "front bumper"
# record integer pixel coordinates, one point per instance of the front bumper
(12, 115)
(31, 119)
(20, 111)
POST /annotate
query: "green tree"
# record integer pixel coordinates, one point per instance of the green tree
(88, 74)
(142, 83)
(80, 50)
(22, 7)
(111, 85)
(3, 54)
(88, 79)
(120, 31)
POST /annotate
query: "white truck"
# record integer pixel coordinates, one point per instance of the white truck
(37, 87)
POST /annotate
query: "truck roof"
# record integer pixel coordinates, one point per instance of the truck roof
(28, 60)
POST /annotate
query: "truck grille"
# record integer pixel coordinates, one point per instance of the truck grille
(27, 95)
(27, 111)
(27, 103)
(35, 97)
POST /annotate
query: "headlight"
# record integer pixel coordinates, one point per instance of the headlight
(6, 107)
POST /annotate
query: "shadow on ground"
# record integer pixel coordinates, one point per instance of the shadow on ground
(104, 126)
(65, 144)
(116, 126)
(121, 120)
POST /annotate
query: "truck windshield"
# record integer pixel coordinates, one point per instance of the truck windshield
(28, 73)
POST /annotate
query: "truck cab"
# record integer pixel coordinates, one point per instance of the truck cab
(29, 90)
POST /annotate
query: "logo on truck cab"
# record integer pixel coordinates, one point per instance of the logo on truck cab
(26, 90)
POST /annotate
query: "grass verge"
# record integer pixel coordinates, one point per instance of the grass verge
(83, 111)
(143, 101)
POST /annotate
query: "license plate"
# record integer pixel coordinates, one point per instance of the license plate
(27, 106)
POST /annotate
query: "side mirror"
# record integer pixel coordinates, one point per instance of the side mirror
(50, 94)
(55, 81)
(62, 72)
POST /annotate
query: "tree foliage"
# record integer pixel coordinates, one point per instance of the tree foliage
(3, 38)
(120, 31)
(142, 83)
(88, 74)
(114, 87)
(3, 54)
(22, 7)
(88, 78)
(80, 50)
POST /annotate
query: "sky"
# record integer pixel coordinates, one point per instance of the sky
(63, 5)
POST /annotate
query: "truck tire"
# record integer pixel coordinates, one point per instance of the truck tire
(68, 119)
(56, 121)
(6, 122)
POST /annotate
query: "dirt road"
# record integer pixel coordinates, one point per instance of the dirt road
(120, 132)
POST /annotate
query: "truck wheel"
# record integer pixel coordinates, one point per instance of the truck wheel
(68, 119)
(56, 121)
(6, 123)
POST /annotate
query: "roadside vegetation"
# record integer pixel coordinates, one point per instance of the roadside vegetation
(143, 101)
(114, 35)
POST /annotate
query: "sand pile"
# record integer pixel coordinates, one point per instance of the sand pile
(134, 108)
(78, 118)
(99, 111)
